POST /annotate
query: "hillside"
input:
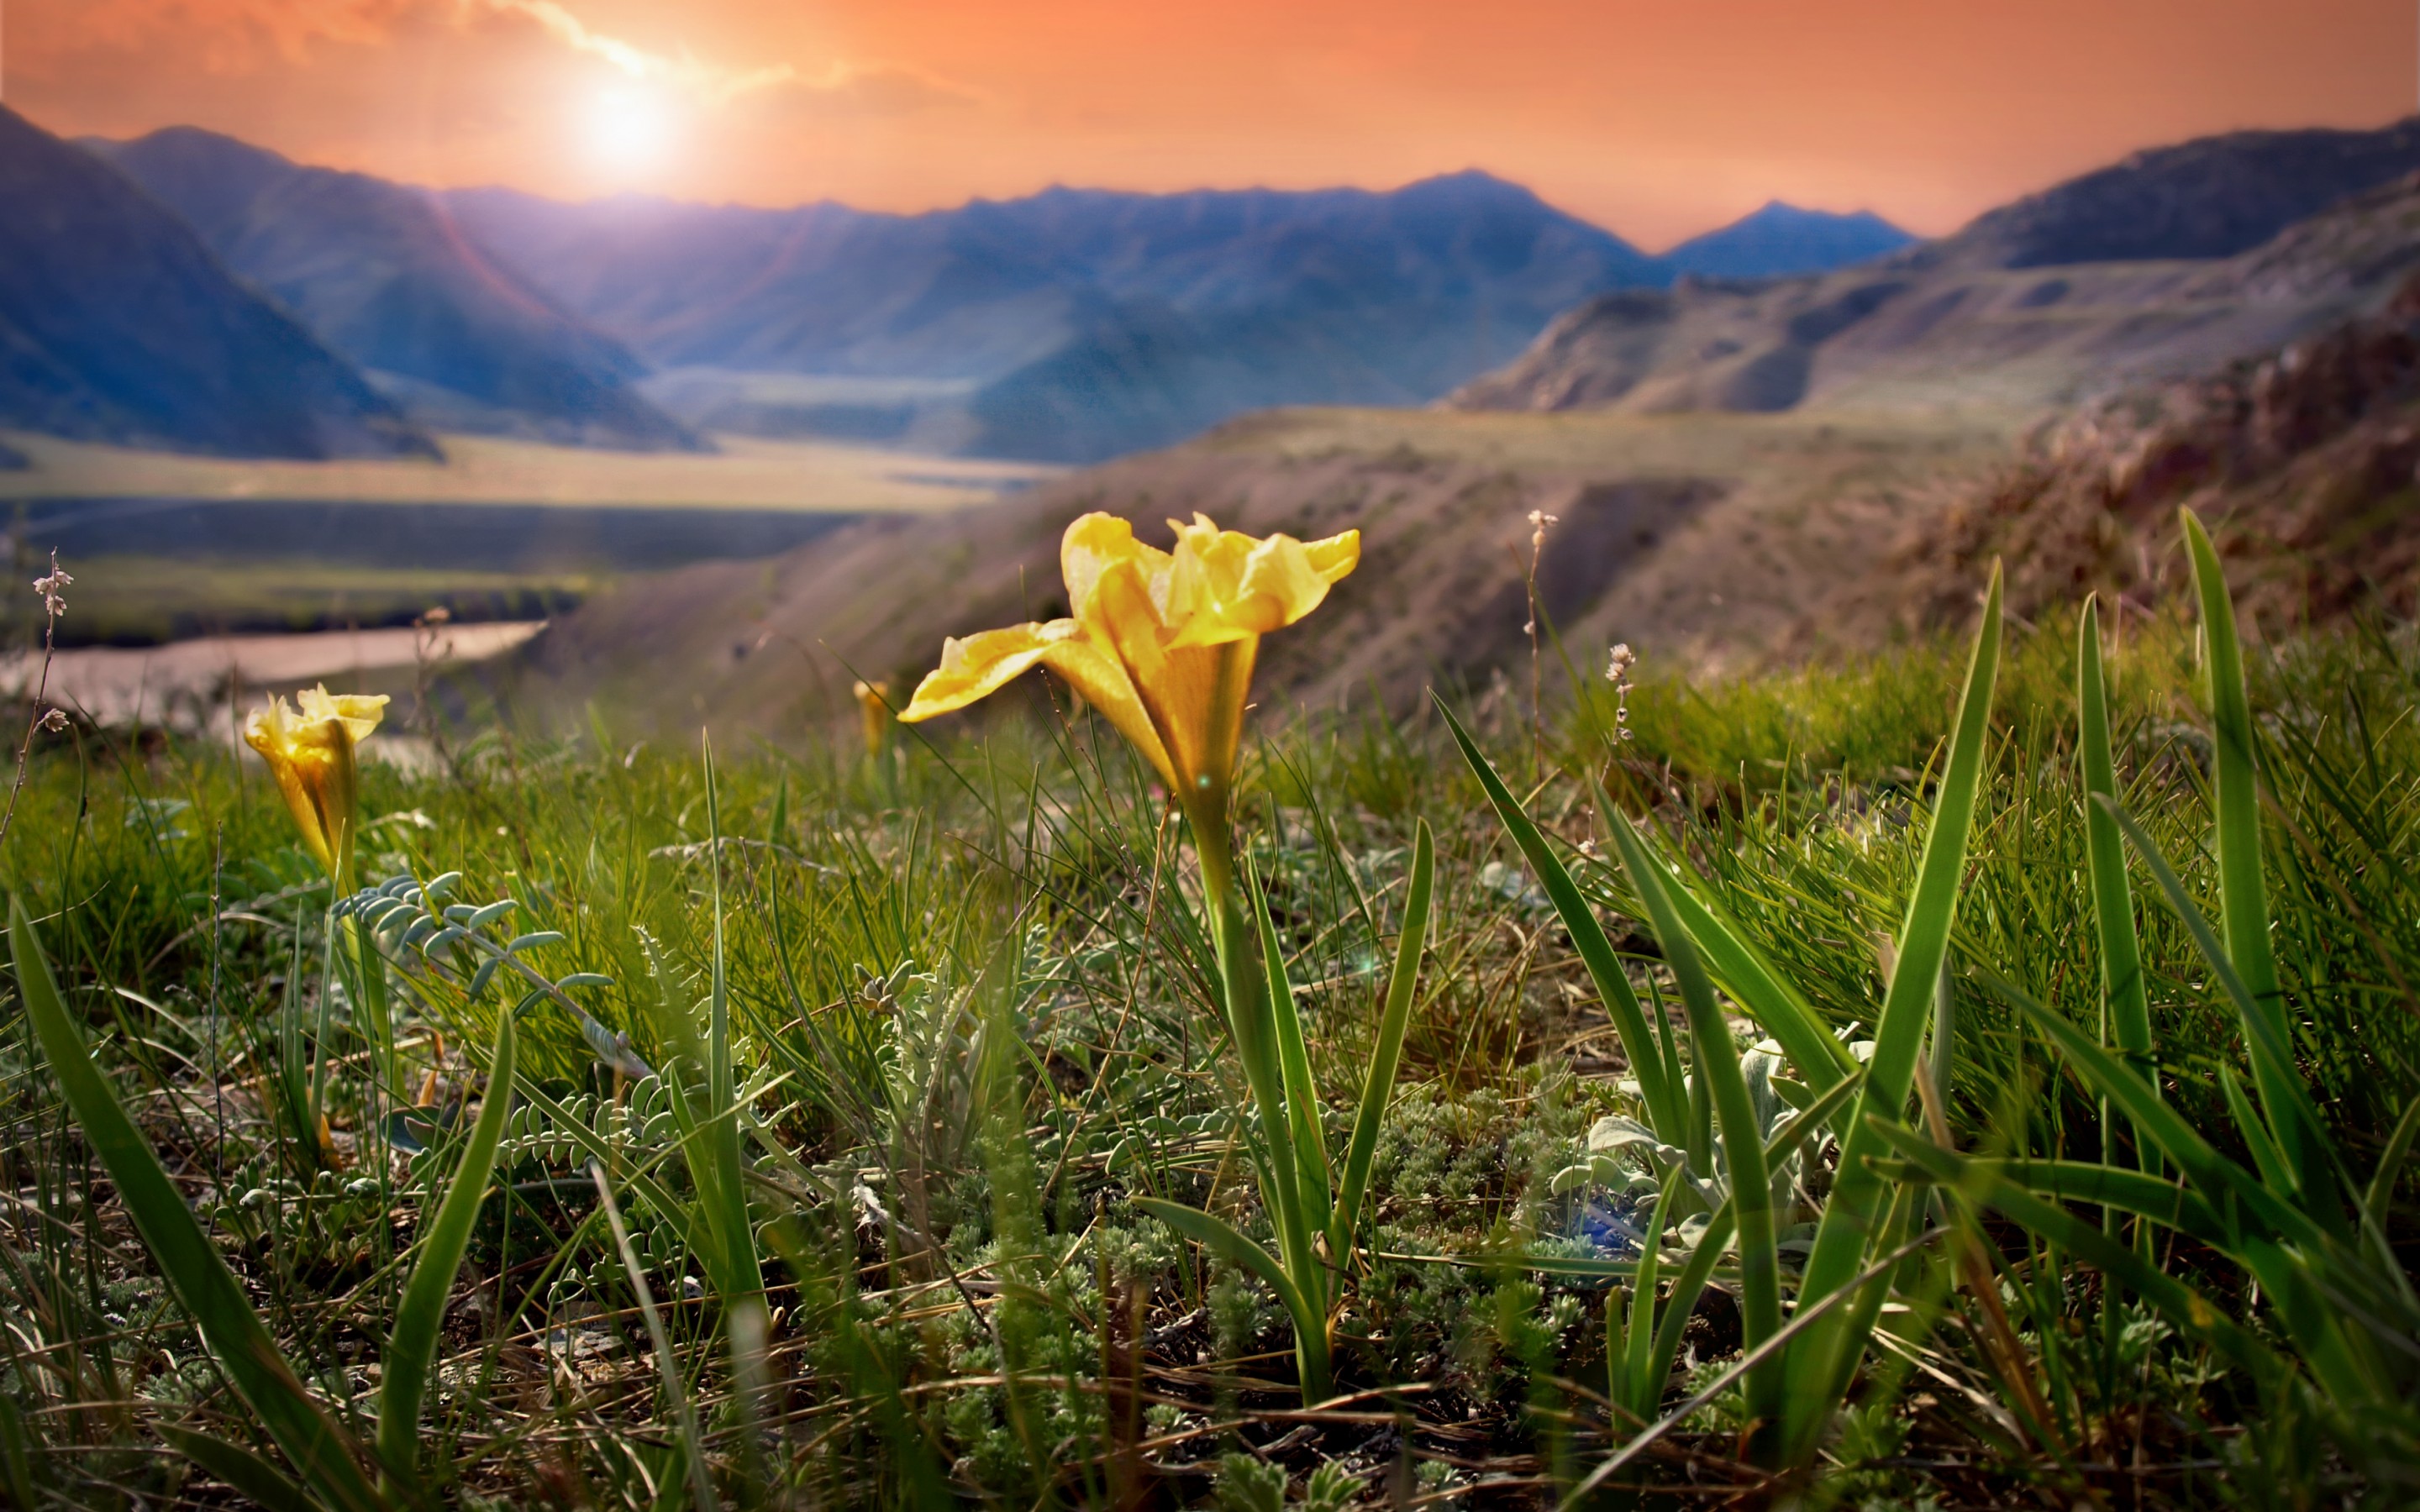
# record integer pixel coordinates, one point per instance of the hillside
(2160, 267)
(2303, 460)
(1704, 538)
(117, 324)
(379, 272)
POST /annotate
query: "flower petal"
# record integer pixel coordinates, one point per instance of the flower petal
(977, 666)
(1097, 543)
(980, 664)
(1231, 585)
(361, 711)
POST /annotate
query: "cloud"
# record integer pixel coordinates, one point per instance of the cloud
(268, 38)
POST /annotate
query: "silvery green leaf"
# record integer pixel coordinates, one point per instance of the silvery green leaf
(530, 942)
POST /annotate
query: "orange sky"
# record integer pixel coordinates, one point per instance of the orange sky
(1655, 117)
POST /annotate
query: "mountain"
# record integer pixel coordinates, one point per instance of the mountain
(2159, 267)
(1781, 240)
(1072, 324)
(2213, 196)
(380, 273)
(117, 324)
(2301, 459)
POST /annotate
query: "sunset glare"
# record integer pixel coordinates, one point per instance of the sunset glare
(1657, 119)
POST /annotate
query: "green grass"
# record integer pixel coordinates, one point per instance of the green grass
(909, 1044)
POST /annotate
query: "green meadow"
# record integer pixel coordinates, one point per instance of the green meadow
(1978, 1075)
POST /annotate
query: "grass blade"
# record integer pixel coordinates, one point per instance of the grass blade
(411, 1345)
(1312, 1180)
(2390, 1163)
(1667, 1109)
(701, 1482)
(189, 1262)
(723, 1180)
(1743, 1143)
(2184, 1307)
(1220, 1237)
(1776, 1005)
(2283, 1097)
(2125, 1004)
(1850, 1218)
(1386, 1056)
(255, 1479)
(2243, 896)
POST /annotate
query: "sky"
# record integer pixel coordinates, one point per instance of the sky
(1656, 118)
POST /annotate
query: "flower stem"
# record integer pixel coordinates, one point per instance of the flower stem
(1250, 1019)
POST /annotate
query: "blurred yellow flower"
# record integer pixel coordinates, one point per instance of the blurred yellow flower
(310, 753)
(874, 712)
(1161, 642)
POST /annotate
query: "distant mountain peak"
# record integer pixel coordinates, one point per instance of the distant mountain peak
(1778, 238)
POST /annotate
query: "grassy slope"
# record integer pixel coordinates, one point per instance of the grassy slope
(905, 903)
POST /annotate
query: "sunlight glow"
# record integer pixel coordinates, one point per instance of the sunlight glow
(628, 129)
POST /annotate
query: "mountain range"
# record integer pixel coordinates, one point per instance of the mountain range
(382, 274)
(1068, 325)
(1078, 324)
(2159, 266)
(118, 324)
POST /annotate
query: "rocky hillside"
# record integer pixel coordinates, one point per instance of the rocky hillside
(118, 324)
(2306, 461)
(2160, 267)
(379, 272)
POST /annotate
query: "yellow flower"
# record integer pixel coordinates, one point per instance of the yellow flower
(1161, 642)
(310, 753)
(874, 712)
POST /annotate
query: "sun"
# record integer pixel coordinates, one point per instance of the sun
(628, 130)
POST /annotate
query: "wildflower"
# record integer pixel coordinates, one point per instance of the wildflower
(54, 721)
(874, 711)
(1539, 522)
(1161, 642)
(1617, 670)
(311, 756)
(48, 586)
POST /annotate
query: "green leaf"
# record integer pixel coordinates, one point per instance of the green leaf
(189, 1262)
(1639, 1386)
(1312, 1179)
(1666, 1108)
(2390, 1163)
(412, 1346)
(1743, 1144)
(1222, 1238)
(1853, 1215)
(1386, 1054)
(2283, 1097)
(1776, 1007)
(2243, 896)
(2124, 1000)
(252, 1478)
(719, 1168)
(2130, 1191)
(2184, 1307)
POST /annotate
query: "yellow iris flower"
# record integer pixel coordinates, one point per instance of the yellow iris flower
(874, 713)
(1161, 642)
(310, 753)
